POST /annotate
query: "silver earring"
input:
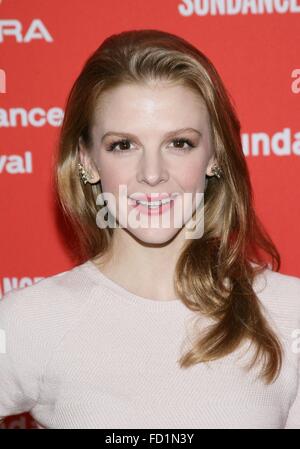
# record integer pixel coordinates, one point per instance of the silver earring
(216, 171)
(84, 174)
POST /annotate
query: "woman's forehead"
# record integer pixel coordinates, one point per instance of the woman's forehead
(167, 107)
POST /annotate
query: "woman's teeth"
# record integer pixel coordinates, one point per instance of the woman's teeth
(153, 204)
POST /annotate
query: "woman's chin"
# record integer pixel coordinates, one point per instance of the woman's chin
(158, 236)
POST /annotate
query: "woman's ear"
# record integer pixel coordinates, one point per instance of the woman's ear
(87, 163)
(210, 165)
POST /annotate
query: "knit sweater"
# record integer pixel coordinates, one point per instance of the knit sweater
(81, 351)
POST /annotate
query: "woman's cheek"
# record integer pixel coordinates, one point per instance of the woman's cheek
(192, 177)
(112, 178)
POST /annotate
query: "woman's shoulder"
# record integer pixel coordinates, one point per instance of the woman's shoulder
(280, 294)
(274, 282)
(33, 322)
(59, 295)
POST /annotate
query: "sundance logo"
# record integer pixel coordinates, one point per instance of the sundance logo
(14, 283)
(15, 164)
(281, 143)
(2, 81)
(234, 7)
(35, 117)
(13, 29)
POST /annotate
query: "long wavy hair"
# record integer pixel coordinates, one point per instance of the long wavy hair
(214, 274)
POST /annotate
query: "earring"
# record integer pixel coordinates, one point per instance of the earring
(84, 174)
(216, 171)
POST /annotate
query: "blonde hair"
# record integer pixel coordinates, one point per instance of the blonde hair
(214, 274)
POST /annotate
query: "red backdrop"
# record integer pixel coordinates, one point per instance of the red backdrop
(43, 45)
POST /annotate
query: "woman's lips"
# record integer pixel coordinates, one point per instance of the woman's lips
(152, 197)
(144, 209)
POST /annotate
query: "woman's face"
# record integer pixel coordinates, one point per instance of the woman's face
(165, 148)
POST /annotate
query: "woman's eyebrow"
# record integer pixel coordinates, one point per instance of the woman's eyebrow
(132, 136)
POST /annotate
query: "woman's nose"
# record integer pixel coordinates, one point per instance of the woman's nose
(152, 169)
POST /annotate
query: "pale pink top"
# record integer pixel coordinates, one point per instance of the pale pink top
(84, 352)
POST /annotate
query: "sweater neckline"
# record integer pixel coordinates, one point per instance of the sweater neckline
(141, 301)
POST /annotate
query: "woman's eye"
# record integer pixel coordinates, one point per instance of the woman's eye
(113, 145)
(125, 145)
(183, 141)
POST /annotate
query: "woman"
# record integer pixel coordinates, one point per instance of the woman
(177, 326)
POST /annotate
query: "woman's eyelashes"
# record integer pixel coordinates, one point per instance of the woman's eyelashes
(123, 143)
